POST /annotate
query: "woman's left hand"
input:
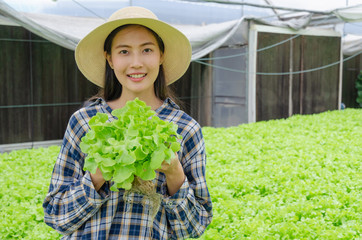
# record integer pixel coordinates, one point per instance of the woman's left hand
(175, 175)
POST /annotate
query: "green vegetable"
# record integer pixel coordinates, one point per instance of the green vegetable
(24, 181)
(295, 178)
(134, 144)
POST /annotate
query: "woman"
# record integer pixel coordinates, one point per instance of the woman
(132, 55)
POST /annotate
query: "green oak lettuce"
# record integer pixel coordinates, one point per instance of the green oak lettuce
(24, 181)
(134, 144)
(295, 178)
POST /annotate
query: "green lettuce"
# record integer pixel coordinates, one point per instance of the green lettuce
(295, 178)
(134, 144)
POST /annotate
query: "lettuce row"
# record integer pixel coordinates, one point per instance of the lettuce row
(136, 143)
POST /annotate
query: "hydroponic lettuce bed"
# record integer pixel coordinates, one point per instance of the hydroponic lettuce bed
(299, 178)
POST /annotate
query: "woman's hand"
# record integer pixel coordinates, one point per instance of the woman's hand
(175, 175)
(97, 179)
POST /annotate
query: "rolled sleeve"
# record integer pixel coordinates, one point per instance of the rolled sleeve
(178, 199)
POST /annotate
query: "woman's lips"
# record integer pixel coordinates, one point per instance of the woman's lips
(136, 77)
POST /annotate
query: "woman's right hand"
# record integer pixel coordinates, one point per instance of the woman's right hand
(97, 179)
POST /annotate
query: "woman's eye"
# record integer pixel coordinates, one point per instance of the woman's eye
(123, 52)
(147, 50)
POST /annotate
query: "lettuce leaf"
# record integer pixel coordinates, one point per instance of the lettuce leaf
(136, 143)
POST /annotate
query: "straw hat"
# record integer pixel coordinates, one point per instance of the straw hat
(89, 53)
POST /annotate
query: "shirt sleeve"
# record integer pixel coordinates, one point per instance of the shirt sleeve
(72, 198)
(189, 211)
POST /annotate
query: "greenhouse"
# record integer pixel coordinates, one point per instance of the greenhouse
(275, 87)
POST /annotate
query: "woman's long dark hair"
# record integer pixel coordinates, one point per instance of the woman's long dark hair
(112, 87)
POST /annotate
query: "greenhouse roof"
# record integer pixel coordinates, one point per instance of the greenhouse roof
(186, 12)
(205, 23)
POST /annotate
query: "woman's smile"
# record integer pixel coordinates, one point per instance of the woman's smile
(137, 77)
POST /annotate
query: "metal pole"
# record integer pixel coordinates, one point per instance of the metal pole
(290, 110)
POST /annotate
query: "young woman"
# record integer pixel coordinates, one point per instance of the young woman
(132, 55)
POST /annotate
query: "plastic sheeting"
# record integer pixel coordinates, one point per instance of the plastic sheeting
(66, 31)
(351, 14)
(13, 17)
(352, 44)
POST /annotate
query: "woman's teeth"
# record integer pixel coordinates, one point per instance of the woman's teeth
(137, 75)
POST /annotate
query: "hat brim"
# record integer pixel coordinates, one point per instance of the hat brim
(89, 53)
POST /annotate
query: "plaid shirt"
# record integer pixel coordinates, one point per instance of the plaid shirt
(75, 209)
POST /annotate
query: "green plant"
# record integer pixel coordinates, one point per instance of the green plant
(24, 181)
(295, 178)
(134, 144)
(298, 178)
(359, 89)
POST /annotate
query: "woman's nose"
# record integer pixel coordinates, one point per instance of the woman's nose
(136, 61)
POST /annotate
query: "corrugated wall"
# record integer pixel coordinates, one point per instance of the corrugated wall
(40, 87)
(311, 92)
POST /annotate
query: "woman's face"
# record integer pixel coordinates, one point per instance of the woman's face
(135, 58)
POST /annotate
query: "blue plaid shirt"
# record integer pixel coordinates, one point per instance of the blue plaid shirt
(75, 209)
